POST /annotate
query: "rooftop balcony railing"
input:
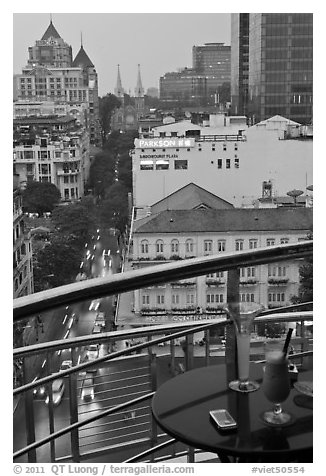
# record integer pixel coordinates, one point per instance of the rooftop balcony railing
(116, 425)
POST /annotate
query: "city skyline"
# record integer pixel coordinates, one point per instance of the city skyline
(158, 49)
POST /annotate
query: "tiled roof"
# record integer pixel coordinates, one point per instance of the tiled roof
(232, 220)
(82, 59)
(50, 32)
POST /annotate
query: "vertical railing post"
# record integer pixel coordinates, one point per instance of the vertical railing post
(207, 345)
(153, 378)
(233, 299)
(73, 404)
(29, 415)
(189, 351)
(172, 357)
(51, 413)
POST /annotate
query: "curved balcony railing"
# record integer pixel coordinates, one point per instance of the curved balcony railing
(144, 435)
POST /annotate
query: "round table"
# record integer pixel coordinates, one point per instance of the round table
(181, 408)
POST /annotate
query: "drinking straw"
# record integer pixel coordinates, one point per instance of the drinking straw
(287, 341)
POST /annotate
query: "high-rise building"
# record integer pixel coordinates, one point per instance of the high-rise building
(52, 75)
(280, 65)
(239, 62)
(213, 61)
(199, 85)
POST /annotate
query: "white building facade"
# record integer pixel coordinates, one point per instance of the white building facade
(195, 233)
(60, 156)
(229, 160)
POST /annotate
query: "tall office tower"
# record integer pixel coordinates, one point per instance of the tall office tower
(280, 66)
(51, 50)
(212, 60)
(239, 62)
(52, 75)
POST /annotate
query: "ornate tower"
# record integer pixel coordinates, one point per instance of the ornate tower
(139, 96)
(51, 50)
(118, 90)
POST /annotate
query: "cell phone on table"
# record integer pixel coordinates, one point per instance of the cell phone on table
(223, 419)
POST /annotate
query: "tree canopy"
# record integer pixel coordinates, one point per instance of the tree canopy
(306, 280)
(114, 208)
(40, 197)
(74, 220)
(107, 105)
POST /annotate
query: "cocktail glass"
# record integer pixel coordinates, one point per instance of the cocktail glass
(276, 383)
(243, 314)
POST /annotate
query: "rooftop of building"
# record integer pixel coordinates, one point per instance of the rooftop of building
(190, 197)
(82, 60)
(231, 220)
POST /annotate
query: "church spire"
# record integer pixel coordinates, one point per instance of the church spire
(139, 90)
(118, 90)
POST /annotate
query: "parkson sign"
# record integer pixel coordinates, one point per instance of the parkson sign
(162, 143)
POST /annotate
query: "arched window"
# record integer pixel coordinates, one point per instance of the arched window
(174, 246)
(189, 246)
(159, 246)
(144, 247)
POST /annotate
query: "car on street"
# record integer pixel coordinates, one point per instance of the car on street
(87, 392)
(97, 329)
(58, 388)
(93, 352)
(100, 319)
(65, 365)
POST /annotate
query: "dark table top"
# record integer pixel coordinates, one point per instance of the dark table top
(181, 408)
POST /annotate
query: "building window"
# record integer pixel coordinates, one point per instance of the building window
(189, 246)
(235, 146)
(181, 164)
(174, 246)
(175, 298)
(224, 146)
(228, 163)
(236, 163)
(253, 244)
(221, 244)
(284, 241)
(219, 163)
(239, 245)
(251, 272)
(220, 274)
(190, 298)
(281, 271)
(208, 246)
(144, 247)
(160, 299)
(145, 299)
(276, 297)
(270, 242)
(66, 193)
(159, 246)
(247, 297)
(271, 270)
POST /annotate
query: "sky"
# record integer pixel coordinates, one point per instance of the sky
(159, 42)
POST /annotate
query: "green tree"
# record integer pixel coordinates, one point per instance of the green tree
(75, 221)
(107, 105)
(40, 197)
(57, 263)
(114, 208)
(101, 173)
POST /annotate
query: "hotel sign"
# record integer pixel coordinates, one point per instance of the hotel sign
(164, 143)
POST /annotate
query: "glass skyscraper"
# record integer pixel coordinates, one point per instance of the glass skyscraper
(280, 74)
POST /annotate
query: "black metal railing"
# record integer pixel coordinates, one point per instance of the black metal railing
(154, 441)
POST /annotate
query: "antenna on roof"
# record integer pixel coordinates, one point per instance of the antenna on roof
(50, 17)
(81, 39)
